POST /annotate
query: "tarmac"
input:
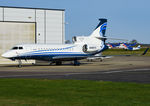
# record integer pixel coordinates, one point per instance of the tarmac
(117, 69)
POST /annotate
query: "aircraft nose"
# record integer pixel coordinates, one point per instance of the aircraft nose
(5, 55)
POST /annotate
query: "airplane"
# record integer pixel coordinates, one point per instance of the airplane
(128, 46)
(88, 47)
(119, 45)
(131, 44)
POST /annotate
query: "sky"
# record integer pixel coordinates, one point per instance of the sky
(127, 19)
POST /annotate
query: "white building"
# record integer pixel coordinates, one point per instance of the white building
(30, 25)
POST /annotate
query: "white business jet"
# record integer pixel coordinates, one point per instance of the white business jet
(88, 46)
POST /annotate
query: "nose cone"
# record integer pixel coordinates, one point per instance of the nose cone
(6, 55)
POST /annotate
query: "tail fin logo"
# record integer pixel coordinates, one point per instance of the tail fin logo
(103, 29)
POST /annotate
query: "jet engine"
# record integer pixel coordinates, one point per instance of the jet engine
(90, 48)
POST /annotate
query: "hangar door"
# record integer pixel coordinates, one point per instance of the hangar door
(13, 33)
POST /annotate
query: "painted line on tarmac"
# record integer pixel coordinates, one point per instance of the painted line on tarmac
(133, 70)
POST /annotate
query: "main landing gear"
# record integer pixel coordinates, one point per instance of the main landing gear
(58, 62)
(76, 63)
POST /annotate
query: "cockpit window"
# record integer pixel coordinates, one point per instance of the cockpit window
(14, 48)
(20, 47)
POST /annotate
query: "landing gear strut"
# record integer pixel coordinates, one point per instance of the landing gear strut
(58, 62)
(76, 63)
(20, 63)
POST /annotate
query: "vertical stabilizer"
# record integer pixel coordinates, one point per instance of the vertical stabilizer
(100, 29)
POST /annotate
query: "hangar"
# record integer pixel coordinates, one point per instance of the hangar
(30, 25)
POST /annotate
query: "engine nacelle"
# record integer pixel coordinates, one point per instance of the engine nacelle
(90, 48)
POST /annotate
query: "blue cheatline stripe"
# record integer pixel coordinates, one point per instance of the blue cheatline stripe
(45, 51)
(57, 55)
(62, 55)
(55, 49)
(51, 53)
(40, 56)
(57, 52)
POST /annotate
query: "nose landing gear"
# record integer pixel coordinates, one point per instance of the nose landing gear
(20, 63)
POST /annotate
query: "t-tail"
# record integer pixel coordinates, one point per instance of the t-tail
(100, 29)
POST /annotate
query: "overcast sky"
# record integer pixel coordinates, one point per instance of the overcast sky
(129, 19)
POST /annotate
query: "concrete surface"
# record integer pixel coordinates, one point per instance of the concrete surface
(121, 68)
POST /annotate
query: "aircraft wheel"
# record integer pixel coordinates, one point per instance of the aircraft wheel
(76, 63)
(59, 63)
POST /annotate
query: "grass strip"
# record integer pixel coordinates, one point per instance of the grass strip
(43, 92)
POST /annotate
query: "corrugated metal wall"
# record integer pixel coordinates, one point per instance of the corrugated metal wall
(50, 26)
(40, 25)
(16, 14)
(1, 14)
(54, 27)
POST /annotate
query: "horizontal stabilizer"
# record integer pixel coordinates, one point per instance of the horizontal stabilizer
(111, 38)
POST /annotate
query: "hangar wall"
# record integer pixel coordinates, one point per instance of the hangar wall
(50, 26)
(8, 37)
(49, 23)
(47, 26)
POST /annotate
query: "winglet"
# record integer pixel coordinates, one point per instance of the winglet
(145, 51)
